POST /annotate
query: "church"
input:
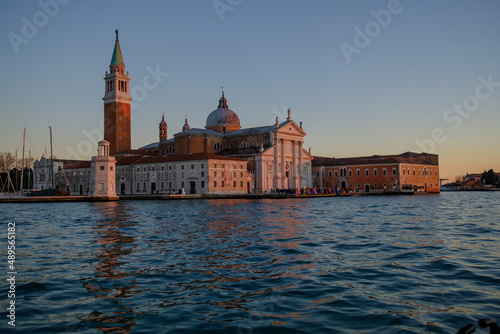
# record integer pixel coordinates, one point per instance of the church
(274, 155)
(224, 158)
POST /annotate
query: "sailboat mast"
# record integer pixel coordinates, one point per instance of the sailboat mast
(22, 163)
(29, 169)
(45, 169)
(17, 172)
(51, 159)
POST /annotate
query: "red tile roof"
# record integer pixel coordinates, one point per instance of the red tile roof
(407, 157)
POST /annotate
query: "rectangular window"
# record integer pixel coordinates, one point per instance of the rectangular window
(234, 184)
(170, 185)
(375, 172)
(203, 184)
(394, 171)
(202, 165)
(169, 167)
(215, 184)
(192, 166)
(102, 186)
(182, 184)
(350, 173)
(241, 184)
(215, 173)
(162, 184)
(101, 167)
(223, 184)
(215, 165)
(404, 170)
(153, 168)
(202, 174)
(317, 174)
(182, 166)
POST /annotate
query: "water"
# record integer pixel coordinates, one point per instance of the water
(396, 264)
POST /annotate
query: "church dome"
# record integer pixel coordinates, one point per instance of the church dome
(223, 119)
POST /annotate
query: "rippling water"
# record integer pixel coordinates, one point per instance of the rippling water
(397, 264)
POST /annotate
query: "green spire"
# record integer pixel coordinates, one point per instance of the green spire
(117, 58)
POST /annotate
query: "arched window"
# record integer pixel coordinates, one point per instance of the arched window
(170, 150)
(244, 144)
(218, 146)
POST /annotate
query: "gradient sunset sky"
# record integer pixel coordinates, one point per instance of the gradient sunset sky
(365, 77)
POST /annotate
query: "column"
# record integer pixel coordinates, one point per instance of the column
(294, 165)
(283, 165)
(301, 163)
(276, 162)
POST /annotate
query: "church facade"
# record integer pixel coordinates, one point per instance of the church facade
(274, 153)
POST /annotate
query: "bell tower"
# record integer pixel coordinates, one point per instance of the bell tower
(117, 103)
(163, 129)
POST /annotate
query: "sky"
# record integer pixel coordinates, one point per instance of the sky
(365, 77)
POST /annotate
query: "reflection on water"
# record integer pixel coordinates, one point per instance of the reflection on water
(425, 264)
(111, 286)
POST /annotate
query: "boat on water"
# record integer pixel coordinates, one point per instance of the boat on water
(413, 189)
(48, 192)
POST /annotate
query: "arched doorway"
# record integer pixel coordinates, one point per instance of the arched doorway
(367, 188)
(343, 185)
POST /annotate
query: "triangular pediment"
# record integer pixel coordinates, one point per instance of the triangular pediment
(291, 128)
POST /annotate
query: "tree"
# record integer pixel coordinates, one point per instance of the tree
(489, 177)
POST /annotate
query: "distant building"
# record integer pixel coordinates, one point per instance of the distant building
(75, 177)
(42, 174)
(379, 173)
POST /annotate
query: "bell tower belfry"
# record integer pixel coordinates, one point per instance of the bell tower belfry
(163, 129)
(117, 103)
